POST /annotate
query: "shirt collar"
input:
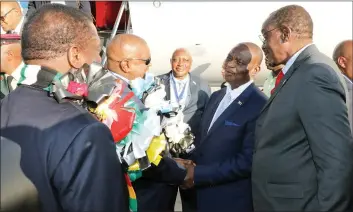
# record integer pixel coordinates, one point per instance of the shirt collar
(349, 80)
(16, 74)
(237, 91)
(185, 80)
(293, 58)
(121, 77)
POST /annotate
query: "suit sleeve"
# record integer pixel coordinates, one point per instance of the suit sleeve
(89, 177)
(167, 171)
(323, 112)
(232, 169)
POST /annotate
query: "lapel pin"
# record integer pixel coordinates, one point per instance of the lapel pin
(240, 103)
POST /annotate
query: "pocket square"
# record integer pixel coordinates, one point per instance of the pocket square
(229, 123)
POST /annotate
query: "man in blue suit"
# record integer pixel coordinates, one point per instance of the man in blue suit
(224, 156)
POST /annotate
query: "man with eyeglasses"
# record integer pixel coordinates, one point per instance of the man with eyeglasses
(11, 17)
(303, 157)
(11, 63)
(128, 58)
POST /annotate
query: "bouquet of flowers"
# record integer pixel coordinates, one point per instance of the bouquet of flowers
(178, 134)
(135, 129)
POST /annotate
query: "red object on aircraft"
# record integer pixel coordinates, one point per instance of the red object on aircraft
(106, 13)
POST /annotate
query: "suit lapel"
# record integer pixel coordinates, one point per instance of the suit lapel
(299, 61)
(234, 106)
(166, 82)
(191, 92)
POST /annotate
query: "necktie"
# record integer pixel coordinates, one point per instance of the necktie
(278, 80)
(221, 108)
(180, 85)
(9, 80)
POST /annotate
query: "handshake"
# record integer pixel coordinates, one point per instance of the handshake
(189, 166)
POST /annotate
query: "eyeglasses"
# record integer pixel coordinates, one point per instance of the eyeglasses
(2, 18)
(147, 61)
(262, 38)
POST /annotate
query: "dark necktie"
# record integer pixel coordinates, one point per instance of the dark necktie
(9, 80)
(278, 80)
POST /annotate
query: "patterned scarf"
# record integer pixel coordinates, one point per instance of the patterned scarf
(35, 75)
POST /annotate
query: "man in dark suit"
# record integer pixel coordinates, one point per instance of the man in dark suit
(192, 94)
(224, 155)
(11, 63)
(64, 151)
(129, 57)
(303, 155)
(84, 6)
(343, 57)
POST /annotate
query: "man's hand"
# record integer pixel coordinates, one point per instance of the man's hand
(189, 179)
(184, 163)
(189, 165)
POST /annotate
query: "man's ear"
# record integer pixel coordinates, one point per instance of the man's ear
(10, 55)
(254, 71)
(125, 66)
(286, 32)
(74, 57)
(341, 61)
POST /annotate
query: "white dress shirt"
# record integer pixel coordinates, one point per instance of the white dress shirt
(180, 86)
(228, 98)
(293, 58)
(119, 76)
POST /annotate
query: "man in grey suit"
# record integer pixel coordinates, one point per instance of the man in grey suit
(342, 55)
(192, 94)
(303, 156)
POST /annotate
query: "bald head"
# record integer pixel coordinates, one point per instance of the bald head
(11, 11)
(255, 51)
(342, 56)
(242, 63)
(10, 57)
(181, 63)
(181, 50)
(128, 55)
(125, 46)
(257, 57)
